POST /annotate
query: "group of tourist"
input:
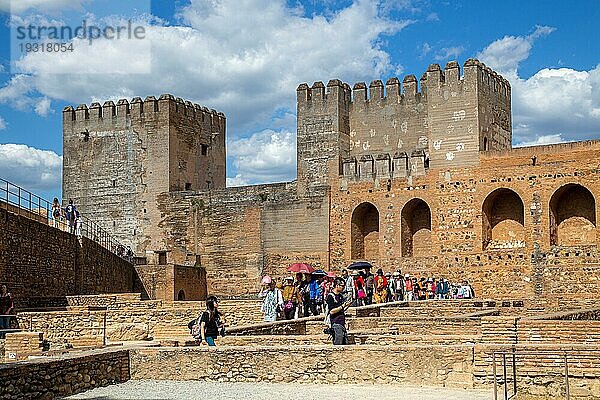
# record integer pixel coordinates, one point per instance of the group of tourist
(327, 293)
(306, 294)
(68, 215)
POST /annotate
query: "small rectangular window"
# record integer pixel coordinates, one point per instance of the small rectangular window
(204, 149)
(188, 186)
(162, 258)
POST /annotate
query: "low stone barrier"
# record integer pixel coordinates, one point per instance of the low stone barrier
(102, 319)
(449, 366)
(20, 345)
(63, 376)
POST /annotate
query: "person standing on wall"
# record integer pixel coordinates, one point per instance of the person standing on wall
(336, 306)
(211, 321)
(56, 213)
(70, 215)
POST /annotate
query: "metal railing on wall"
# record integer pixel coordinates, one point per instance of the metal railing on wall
(556, 363)
(24, 203)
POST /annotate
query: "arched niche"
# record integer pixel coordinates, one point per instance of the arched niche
(365, 232)
(503, 225)
(572, 216)
(416, 229)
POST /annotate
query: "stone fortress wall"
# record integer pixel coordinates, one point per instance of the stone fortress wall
(41, 265)
(419, 179)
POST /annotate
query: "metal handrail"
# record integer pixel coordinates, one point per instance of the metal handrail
(22, 202)
(566, 355)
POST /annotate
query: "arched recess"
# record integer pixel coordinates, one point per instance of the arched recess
(503, 220)
(365, 232)
(416, 229)
(181, 295)
(572, 216)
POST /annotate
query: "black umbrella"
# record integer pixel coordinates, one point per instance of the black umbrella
(319, 272)
(359, 265)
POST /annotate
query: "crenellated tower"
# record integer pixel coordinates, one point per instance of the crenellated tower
(323, 131)
(119, 158)
(402, 129)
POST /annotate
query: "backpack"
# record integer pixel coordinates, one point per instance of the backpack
(327, 320)
(194, 328)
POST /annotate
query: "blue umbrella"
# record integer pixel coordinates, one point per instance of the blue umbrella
(319, 272)
(359, 265)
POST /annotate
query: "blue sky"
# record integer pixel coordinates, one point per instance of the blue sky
(246, 58)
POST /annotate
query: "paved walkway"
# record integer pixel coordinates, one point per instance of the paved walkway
(193, 390)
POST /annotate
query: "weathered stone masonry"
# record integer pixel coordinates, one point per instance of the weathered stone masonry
(419, 177)
(39, 262)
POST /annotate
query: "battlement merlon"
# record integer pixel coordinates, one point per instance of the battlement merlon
(136, 108)
(435, 77)
(336, 92)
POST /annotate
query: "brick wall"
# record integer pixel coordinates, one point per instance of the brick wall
(38, 260)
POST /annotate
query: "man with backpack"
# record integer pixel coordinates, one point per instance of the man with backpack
(71, 216)
(336, 307)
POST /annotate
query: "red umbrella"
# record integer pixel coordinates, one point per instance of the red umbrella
(301, 267)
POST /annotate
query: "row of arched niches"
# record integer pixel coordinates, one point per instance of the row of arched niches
(572, 218)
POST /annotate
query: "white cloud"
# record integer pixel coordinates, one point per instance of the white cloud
(20, 6)
(425, 49)
(542, 140)
(29, 167)
(2, 123)
(449, 53)
(266, 156)
(20, 93)
(432, 17)
(243, 58)
(504, 55)
(237, 180)
(553, 103)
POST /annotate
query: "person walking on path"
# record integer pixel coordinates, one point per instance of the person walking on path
(211, 322)
(380, 292)
(272, 299)
(291, 298)
(336, 306)
(349, 285)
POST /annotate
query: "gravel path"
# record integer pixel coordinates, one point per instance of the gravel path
(193, 390)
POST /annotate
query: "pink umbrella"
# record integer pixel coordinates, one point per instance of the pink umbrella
(301, 267)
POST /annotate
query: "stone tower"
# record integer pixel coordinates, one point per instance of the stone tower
(395, 131)
(119, 158)
(323, 132)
